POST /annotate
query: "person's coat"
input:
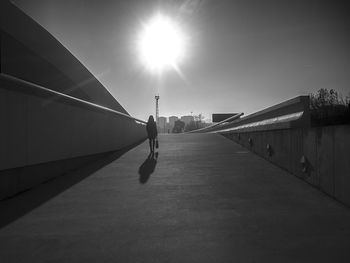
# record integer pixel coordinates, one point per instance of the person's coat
(151, 130)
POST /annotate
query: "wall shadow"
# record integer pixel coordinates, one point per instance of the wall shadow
(147, 167)
(17, 206)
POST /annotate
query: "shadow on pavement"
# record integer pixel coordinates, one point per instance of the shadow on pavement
(17, 206)
(147, 168)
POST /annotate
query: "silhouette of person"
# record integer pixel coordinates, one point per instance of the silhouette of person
(152, 132)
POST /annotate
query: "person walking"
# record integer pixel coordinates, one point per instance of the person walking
(152, 132)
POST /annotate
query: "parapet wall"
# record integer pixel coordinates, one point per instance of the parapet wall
(317, 155)
(53, 112)
(29, 52)
(288, 114)
(39, 126)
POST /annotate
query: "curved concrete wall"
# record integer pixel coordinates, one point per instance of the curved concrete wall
(285, 115)
(31, 53)
(39, 126)
(317, 155)
(52, 109)
(45, 134)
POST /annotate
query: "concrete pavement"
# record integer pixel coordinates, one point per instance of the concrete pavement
(204, 199)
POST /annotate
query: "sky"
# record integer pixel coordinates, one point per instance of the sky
(241, 56)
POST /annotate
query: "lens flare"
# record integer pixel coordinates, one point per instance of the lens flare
(161, 44)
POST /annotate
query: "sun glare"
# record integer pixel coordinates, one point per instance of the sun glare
(161, 44)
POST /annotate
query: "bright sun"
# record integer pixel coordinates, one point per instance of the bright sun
(161, 44)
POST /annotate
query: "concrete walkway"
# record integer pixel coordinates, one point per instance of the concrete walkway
(205, 199)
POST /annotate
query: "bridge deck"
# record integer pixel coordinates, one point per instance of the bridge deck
(208, 200)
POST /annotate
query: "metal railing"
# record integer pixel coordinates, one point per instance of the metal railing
(16, 80)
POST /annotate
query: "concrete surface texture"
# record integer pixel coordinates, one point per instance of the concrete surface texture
(203, 199)
(324, 150)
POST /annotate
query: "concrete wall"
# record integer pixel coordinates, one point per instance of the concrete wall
(54, 114)
(297, 104)
(39, 127)
(285, 115)
(31, 53)
(325, 150)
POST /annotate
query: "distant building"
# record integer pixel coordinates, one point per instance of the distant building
(168, 128)
(162, 122)
(172, 120)
(187, 119)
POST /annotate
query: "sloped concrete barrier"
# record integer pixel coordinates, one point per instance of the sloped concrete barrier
(53, 112)
(49, 131)
(284, 137)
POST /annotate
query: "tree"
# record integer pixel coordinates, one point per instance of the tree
(196, 124)
(324, 98)
(191, 126)
(178, 126)
(327, 107)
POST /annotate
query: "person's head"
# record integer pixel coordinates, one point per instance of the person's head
(150, 119)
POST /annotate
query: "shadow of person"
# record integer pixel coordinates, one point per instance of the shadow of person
(147, 168)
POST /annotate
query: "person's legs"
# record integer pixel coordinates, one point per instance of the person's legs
(153, 144)
(150, 144)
